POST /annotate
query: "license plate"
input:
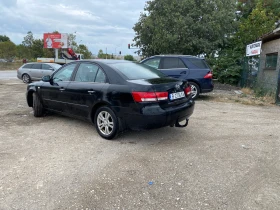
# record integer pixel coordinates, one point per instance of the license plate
(173, 96)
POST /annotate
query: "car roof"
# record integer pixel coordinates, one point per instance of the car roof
(107, 61)
(39, 63)
(172, 55)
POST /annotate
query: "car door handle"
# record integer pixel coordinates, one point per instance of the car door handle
(61, 89)
(183, 72)
(91, 92)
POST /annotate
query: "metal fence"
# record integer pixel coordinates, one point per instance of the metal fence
(263, 81)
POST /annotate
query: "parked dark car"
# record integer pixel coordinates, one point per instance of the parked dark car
(185, 67)
(114, 95)
(29, 72)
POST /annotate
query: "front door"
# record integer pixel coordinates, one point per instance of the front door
(53, 94)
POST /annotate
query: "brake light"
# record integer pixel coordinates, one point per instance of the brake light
(149, 96)
(209, 75)
(188, 90)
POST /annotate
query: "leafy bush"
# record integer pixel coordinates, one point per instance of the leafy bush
(128, 58)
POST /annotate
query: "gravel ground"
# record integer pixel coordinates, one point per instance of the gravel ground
(227, 158)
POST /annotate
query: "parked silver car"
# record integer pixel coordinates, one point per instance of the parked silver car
(35, 71)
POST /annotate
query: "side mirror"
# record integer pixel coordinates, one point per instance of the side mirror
(46, 78)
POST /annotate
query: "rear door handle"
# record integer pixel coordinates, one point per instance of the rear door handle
(91, 92)
(183, 72)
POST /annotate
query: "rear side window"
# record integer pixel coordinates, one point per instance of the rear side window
(86, 72)
(172, 63)
(27, 66)
(197, 63)
(36, 66)
(137, 71)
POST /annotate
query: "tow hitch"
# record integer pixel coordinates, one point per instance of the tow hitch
(177, 124)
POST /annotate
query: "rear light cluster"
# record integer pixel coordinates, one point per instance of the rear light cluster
(149, 96)
(188, 90)
(209, 75)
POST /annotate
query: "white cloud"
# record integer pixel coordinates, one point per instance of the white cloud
(99, 23)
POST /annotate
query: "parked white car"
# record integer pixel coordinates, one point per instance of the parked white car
(35, 71)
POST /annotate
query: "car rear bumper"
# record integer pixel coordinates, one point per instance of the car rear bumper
(155, 117)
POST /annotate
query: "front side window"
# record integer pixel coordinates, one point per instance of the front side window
(65, 73)
(172, 63)
(271, 61)
(86, 72)
(154, 62)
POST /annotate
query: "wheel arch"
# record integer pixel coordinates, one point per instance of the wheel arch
(95, 107)
(29, 98)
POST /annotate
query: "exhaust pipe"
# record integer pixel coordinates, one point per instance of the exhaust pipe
(177, 124)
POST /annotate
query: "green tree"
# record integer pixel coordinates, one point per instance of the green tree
(82, 49)
(101, 54)
(28, 39)
(184, 27)
(7, 50)
(128, 57)
(4, 38)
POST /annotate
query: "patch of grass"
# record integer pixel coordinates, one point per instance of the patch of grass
(10, 65)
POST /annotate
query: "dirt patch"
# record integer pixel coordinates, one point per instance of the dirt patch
(232, 94)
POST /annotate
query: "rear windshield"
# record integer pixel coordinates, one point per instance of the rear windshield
(137, 71)
(197, 63)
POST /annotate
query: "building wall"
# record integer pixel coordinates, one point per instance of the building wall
(269, 77)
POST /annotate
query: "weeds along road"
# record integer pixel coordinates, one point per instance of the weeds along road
(227, 158)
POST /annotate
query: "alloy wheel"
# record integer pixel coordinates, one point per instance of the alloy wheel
(193, 91)
(25, 78)
(105, 123)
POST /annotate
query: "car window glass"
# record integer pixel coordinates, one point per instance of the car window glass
(198, 63)
(154, 62)
(137, 71)
(172, 63)
(65, 73)
(27, 66)
(86, 72)
(181, 64)
(36, 66)
(100, 77)
(47, 67)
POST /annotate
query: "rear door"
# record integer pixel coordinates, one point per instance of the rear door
(85, 89)
(35, 72)
(173, 67)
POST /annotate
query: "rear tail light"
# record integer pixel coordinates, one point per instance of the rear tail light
(209, 75)
(149, 96)
(188, 90)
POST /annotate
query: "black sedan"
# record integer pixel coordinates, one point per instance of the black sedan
(114, 95)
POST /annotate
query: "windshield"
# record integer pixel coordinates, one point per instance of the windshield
(133, 71)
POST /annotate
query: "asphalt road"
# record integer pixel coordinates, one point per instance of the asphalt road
(227, 158)
(8, 74)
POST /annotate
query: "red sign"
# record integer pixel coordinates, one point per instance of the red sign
(56, 40)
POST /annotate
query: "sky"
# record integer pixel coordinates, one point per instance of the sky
(98, 24)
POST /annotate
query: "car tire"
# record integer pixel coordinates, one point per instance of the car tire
(38, 109)
(195, 90)
(106, 122)
(26, 78)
